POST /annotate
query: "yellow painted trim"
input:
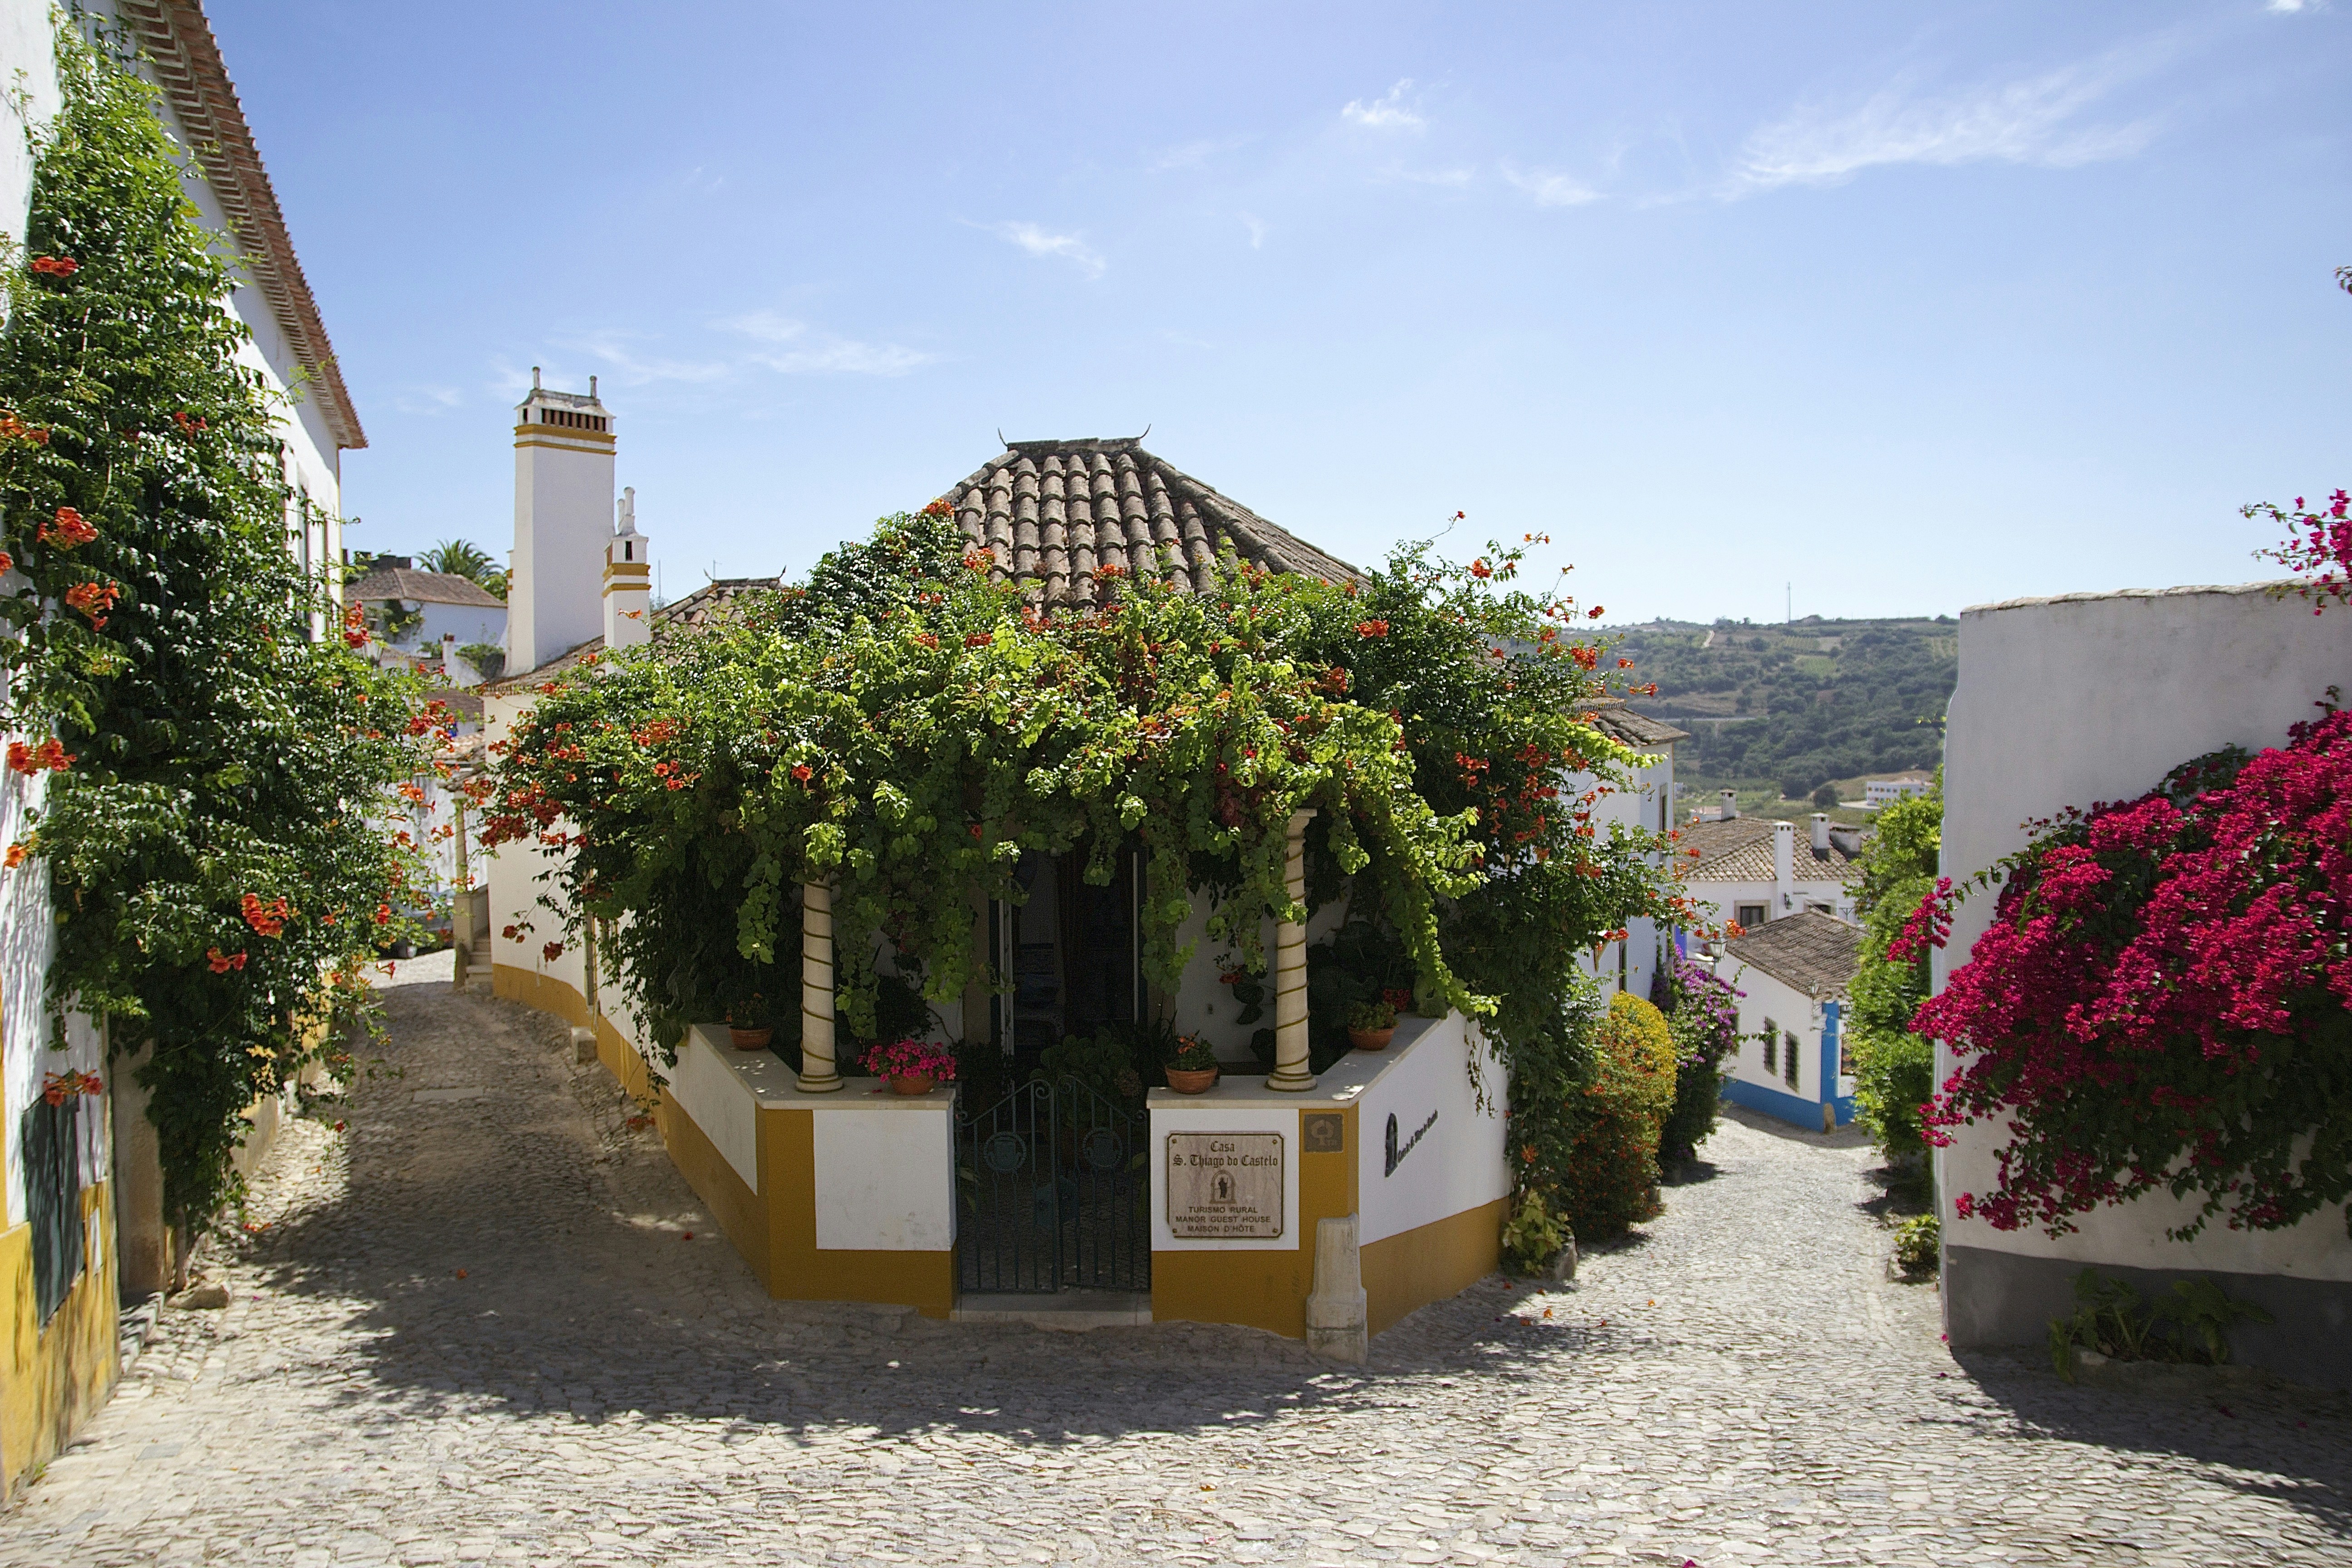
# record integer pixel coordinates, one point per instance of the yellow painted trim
(775, 1229)
(54, 1378)
(1407, 1272)
(1262, 1288)
(802, 1271)
(534, 434)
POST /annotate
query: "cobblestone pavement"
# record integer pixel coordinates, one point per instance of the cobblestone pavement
(489, 1323)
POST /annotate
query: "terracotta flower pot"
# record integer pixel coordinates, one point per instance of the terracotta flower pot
(1192, 1080)
(1371, 1039)
(912, 1083)
(751, 1039)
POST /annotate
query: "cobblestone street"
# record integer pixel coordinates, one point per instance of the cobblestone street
(489, 1323)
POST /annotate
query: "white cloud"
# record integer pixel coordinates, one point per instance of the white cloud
(1194, 154)
(427, 400)
(796, 350)
(1037, 241)
(2289, 7)
(613, 350)
(1454, 179)
(2035, 121)
(1550, 190)
(1256, 227)
(1390, 112)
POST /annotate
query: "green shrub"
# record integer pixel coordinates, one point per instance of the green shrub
(1705, 1027)
(2192, 1325)
(1894, 1073)
(1612, 1183)
(1917, 1243)
(1533, 1238)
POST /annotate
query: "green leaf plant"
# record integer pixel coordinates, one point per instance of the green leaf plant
(904, 727)
(205, 765)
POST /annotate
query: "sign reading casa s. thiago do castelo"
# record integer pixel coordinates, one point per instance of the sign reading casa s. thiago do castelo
(1224, 1185)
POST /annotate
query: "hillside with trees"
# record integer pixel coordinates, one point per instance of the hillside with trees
(1801, 703)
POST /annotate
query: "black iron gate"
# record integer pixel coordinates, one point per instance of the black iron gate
(1054, 1193)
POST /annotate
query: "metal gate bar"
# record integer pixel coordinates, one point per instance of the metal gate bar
(1054, 1193)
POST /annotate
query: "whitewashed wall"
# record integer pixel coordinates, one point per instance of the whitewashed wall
(2068, 701)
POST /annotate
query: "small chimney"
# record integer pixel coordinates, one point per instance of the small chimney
(628, 580)
(1821, 834)
(1730, 806)
(1784, 867)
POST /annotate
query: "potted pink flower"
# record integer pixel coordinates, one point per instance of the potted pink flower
(1193, 1068)
(913, 1067)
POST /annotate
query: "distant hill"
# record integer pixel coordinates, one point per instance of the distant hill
(1801, 703)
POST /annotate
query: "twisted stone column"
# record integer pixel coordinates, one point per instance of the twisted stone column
(1290, 971)
(818, 1075)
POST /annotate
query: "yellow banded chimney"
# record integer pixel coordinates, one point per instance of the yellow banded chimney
(628, 582)
(563, 512)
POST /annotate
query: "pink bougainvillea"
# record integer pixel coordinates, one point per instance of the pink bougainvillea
(2164, 998)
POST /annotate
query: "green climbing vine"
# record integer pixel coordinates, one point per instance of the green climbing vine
(905, 727)
(204, 774)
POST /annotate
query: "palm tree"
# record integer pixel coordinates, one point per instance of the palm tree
(463, 558)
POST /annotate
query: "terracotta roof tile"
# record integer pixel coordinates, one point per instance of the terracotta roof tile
(1052, 513)
(1740, 850)
(1817, 953)
(416, 588)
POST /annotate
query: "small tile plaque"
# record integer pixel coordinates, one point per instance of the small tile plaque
(1224, 1185)
(1324, 1132)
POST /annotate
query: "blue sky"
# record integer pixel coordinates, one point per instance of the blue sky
(1914, 305)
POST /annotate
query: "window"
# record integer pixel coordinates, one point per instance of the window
(1791, 1056)
(1845, 1056)
(1750, 915)
(1772, 1045)
(52, 1154)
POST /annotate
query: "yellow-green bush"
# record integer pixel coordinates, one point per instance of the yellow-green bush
(1613, 1162)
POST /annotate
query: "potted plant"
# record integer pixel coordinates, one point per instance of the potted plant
(1372, 1025)
(913, 1067)
(747, 1022)
(1193, 1068)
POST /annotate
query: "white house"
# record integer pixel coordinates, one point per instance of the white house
(1793, 1061)
(2153, 679)
(1631, 962)
(1877, 793)
(424, 617)
(1756, 870)
(82, 1195)
(1369, 1189)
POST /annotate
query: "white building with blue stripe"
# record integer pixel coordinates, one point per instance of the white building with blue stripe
(1793, 1061)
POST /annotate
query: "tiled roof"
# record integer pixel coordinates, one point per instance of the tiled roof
(1740, 850)
(1815, 952)
(680, 617)
(1056, 510)
(1051, 512)
(416, 588)
(1639, 730)
(186, 61)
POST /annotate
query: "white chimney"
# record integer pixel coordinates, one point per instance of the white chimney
(1730, 806)
(1784, 868)
(1821, 834)
(628, 582)
(563, 507)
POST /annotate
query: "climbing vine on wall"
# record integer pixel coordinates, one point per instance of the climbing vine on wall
(904, 727)
(202, 770)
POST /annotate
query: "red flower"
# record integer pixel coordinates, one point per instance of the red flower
(66, 530)
(1595, 613)
(1371, 628)
(269, 918)
(94, 600)
(977, 560)
(32, 760)
(802, 772)
(223, 963)
(1479, 568)
(1110, 569)
(56, 266)
(17, 855)
(938, 507)
(7, 561)
(978, 639)
(551, 952)
(1586, 657)
(355, 626)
